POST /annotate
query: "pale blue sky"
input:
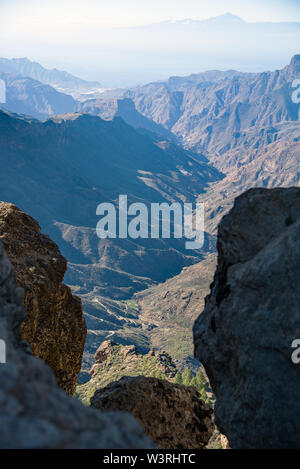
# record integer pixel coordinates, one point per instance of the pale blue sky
(136, 12)
(72, 34)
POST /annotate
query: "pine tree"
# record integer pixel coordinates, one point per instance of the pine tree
(194, 383)
(187, 377)
(200, 378)
(178, 378)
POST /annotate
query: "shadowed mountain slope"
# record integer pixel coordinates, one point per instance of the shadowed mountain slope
(60, 170)
(108, 108)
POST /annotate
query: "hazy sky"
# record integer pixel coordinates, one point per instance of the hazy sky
(136, 12)
(72, 34)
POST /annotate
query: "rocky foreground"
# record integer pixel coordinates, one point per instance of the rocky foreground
(113, 361)
(244, 336)
(171, 415)
(34, 411)
(54, 326)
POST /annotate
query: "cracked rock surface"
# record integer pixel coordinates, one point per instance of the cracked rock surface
(251, 317)
(54, 326)
(34, 411)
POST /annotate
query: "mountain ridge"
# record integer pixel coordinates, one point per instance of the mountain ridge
(212, 113)
(222, 20)
(27, 96)
(58, 79)
(72, 158)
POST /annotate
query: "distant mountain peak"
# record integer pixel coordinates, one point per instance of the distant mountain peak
(228, 17)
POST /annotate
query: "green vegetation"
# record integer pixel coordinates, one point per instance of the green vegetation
(187, 377)
(132, 304)
(174, 339)
(178, 378)
(198, 382)
(125, 361)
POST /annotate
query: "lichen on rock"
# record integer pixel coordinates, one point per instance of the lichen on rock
(34, 411)
(54, 326)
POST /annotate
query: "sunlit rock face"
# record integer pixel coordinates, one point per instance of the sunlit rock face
(54, 326)
(34, 411)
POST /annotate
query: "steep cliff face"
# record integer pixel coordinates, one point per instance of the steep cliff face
(54, 326)
(214, 112)
(34, 412)
(244, 336)
(172, 415)
(108, 108)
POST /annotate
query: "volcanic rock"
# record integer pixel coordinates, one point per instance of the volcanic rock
(113, 361)
(54, 327)
(34, 411)
(172, 415)
(244, 336)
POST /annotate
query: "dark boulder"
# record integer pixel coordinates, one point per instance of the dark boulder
(251, 317)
